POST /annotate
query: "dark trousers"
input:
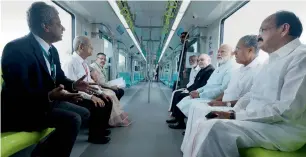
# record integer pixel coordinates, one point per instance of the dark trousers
(99, 116)
(177, 97)
(176, 112)
(119, 93)
(67, 124)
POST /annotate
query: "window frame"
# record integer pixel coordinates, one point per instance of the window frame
(73, 21)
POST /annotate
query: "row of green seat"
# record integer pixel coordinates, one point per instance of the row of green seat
(127, 78)
(167, 81)
(12, 142)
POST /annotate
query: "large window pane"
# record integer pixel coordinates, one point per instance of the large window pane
(247, 20)
(122, 62)
(14, 25)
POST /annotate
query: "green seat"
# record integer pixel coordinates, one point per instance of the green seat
(12, 142)
(261, 152)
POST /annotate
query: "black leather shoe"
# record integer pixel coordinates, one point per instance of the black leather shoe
(106, 132)
(177, 125)
(172, 120)
(98, 140)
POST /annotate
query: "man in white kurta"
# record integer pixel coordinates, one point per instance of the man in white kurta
(275, 109)
(193, 73)
(242, 79)
(216, 84)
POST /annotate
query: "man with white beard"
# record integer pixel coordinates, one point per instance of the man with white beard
(275, 108)
(216, 84)
(242, 79)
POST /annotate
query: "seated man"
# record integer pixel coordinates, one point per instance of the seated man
(200, 80)
(99, 105)
(216, 84)
(242, 79)
(98, 65)
(33, 92)
(273, 114)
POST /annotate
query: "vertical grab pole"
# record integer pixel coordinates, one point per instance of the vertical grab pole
(149, 58)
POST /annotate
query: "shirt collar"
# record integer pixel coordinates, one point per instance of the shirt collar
(253, 64)
(196, 68)
(286, 49)
(42, 43)
(78, 57)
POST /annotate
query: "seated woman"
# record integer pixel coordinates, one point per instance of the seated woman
(118, 116)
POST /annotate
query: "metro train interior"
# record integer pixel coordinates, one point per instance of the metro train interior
(142, 44)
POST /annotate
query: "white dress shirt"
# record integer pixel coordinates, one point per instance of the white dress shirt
(75, 68)
(241, 81)
(46, 47)
(193, 73)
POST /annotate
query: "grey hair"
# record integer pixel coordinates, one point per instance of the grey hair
(40, 13)
(251, 41)
(77, 41)
(193, 56)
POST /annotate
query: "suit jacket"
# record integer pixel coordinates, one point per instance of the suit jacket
(201, 78)
(102, 80)
(27, 82)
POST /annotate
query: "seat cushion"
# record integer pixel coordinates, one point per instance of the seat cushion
(12, 142)
(261, 152)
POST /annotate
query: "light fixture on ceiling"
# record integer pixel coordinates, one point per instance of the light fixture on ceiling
(178, 18)
(126, 26)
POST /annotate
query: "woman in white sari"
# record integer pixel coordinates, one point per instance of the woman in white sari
(118, 117)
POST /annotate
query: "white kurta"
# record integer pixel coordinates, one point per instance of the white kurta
(274, 116)
(216, 84)
(193, 74)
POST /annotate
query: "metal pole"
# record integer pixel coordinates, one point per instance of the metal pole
(149, 56)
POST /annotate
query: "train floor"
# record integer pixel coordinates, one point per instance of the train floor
(147, 136)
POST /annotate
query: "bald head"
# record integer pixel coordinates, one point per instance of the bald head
(225, 53)
(82, 45)
(204, 60)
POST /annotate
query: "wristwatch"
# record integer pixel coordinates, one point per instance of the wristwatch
(228, 104)
(232, 114)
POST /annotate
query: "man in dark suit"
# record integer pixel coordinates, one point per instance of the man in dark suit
(33, 90)
(199, 81)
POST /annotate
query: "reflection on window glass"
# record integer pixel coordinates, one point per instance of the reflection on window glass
(14, 25)
(121, 63)
(249, 18)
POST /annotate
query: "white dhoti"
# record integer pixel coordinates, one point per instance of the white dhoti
(222, 138)
(185, 104)
(197, 112)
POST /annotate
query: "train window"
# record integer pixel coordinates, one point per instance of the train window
(121, 62)
(14, 25)
(108, 48)
(247, 20)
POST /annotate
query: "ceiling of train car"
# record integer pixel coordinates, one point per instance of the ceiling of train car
(148, 19)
